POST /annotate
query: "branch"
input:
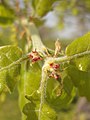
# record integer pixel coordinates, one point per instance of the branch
(42, 90)
(68, 58)
(15, 63)
(49, 59)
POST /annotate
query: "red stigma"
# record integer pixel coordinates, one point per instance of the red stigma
(55, 66)
(34, 56)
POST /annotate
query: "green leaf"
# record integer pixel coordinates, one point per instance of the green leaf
(80, 45)
(52, 100)
(54, 96)
(81, 80)
(31, 109)
(58, 98)
(42, 7)
(29, 90)
(29, 83)
(37, 106)
(9, 77)
(6, 15)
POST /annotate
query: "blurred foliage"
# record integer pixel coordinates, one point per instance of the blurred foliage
(6, 17)
(17, 10)
(11, 32)
(9, 109)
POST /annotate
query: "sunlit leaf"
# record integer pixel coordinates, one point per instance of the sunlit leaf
(9, 77)
(81, 44)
